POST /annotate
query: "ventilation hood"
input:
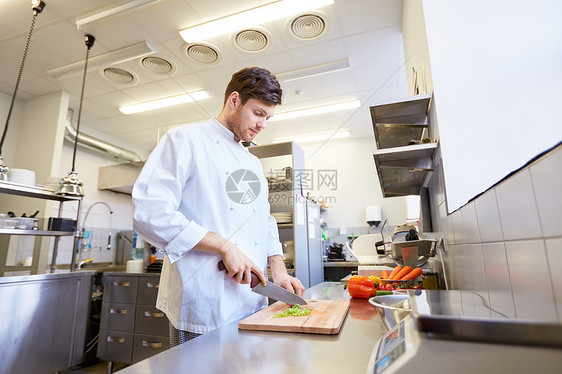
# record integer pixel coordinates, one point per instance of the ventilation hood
(120, 177)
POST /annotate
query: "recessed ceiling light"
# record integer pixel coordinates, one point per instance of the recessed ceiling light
(315, 110)
(165, 102)
(249, 18)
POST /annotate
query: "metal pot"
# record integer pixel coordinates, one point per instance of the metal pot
(289, 251)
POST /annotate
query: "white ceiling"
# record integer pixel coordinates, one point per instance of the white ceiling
(367, 32)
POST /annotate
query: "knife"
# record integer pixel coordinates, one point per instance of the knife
(271, 290)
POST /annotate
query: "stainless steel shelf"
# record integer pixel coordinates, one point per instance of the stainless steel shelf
(44, 193)
(38, 192)
(397, 122)
(402, 168)
(35, 232)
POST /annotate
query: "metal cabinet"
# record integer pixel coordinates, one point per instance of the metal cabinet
(131, 328)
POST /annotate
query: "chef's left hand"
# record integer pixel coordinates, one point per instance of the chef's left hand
(289, 283)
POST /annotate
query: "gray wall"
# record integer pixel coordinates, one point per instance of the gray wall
(507, 239)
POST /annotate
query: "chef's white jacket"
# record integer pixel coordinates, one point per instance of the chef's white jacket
(189, 186)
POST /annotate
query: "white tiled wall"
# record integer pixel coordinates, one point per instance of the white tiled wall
(99, 225)
(509, 238)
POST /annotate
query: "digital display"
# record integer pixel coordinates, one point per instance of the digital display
(392, 346)
(385, 361)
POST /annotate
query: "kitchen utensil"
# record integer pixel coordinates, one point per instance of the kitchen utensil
(271, 290)
(391, 309)
(326, 317)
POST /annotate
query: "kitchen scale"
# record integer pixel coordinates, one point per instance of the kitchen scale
(457, 332)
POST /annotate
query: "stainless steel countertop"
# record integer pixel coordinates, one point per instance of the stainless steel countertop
(36, 277)
(229, 350)
(334, 264)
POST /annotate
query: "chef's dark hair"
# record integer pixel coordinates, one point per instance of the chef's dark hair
(257, 83)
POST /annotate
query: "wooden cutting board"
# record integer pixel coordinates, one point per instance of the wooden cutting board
(326, 317)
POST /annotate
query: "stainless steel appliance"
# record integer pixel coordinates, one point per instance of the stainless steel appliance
(458, 332)
(406, 246)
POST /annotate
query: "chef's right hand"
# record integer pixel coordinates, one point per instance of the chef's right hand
(239, 267)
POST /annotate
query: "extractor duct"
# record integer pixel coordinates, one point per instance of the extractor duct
(96, 144)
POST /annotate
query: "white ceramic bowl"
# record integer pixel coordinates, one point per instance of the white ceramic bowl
(22, 176)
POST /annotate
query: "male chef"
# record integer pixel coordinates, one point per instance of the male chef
(202, 197)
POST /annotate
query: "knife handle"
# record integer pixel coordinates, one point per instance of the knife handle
(255, 279)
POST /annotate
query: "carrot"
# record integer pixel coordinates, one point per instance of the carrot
(384, 274)
(413, 274)
(394, 272)
(402, 272)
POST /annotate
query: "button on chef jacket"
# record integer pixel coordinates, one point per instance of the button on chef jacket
(197, 180)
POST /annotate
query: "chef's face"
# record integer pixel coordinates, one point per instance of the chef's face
(249, 119)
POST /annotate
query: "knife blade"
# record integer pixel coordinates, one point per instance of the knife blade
(271, 290)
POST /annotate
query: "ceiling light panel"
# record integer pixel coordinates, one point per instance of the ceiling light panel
(313, 137)
(165, 102)
(112, 11)
(312, 111)
(312, 71)
(110, 58)
(250, 18)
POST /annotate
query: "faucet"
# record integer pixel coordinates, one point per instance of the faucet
(84, 225)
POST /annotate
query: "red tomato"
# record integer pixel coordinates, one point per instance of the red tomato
(389, 287)
(381, 287)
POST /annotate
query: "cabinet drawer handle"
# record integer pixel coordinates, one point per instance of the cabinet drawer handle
(151, 345)
(155, 314)
(117, 311)
(115, 340)
(152, 285)
(120, 284)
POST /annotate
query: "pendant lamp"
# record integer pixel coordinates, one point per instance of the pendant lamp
(71, 185)
(36, 7)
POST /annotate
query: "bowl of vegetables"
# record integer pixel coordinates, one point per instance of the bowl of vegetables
(391, 308)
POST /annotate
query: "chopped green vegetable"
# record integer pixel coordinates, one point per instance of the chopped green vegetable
(380, 293)
(294, 311)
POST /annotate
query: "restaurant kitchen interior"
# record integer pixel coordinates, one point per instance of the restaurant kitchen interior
(438, 116)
